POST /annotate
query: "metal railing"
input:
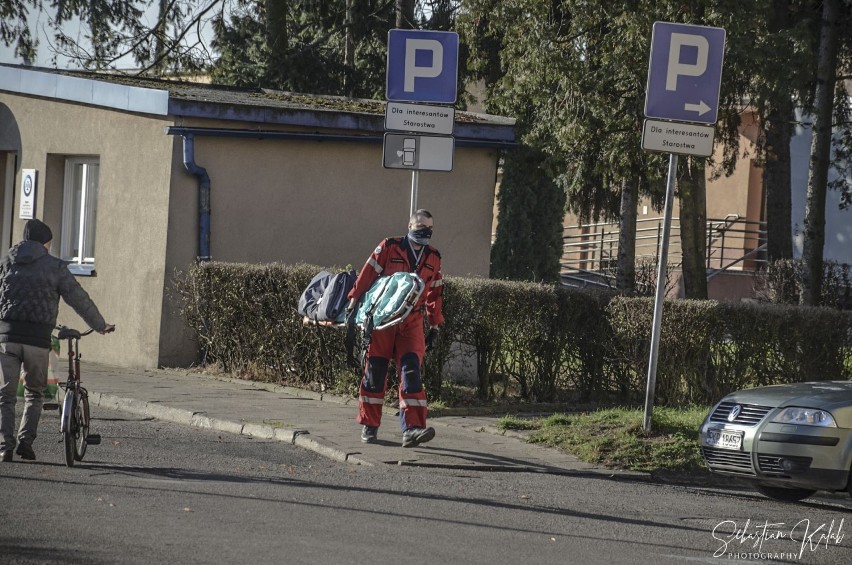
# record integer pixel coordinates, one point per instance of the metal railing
(735, 243)
(590, 251)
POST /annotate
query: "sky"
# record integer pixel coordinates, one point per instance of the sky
(39, 21)
(39, 25)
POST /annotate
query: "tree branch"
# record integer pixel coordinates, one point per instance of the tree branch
(180, 37)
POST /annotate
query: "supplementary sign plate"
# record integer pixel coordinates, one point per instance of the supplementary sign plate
(674, 137)
(438, 120)
(418, 152)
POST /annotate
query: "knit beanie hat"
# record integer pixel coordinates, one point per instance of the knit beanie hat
(36, 230)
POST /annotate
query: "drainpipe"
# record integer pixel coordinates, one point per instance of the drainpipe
(203, 197)
(203, 228)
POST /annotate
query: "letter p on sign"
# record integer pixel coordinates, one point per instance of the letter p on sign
(422, 66)
(412, 71)
(677, 67)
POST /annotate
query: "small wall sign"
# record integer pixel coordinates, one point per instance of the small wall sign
(28, 193)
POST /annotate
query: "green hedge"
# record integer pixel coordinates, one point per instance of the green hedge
(530, 341)
(244, 318)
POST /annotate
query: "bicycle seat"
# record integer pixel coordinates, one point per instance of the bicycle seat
(66, 333)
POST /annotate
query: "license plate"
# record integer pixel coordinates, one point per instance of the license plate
(724, 439)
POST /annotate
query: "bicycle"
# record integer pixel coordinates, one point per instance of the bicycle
(74, 417)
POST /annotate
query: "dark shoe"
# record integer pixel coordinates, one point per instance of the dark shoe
(415, 436)
(26, 452)
(6, 456)
(370, 434)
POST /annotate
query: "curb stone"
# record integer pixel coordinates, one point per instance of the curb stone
(202, 421)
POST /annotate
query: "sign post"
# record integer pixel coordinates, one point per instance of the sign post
(684, 80)
(422, 68)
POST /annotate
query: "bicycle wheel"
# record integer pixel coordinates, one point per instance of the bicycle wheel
(82, 417)
(68, 437)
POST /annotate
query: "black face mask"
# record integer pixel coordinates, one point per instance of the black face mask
(420, 236)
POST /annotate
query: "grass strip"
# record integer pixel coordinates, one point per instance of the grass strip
(614, 437)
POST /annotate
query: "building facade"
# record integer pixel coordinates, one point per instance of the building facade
(123, 169)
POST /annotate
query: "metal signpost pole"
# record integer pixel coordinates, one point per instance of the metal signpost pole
(684, 80)
(415, 180)
(661, 291)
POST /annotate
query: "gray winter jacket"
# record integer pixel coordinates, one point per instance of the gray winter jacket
(31, 282)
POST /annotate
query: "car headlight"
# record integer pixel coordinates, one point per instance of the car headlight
(805, 417)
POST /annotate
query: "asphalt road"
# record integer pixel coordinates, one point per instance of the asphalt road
(156, 492)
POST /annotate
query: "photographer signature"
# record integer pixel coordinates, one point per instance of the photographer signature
(807, 535)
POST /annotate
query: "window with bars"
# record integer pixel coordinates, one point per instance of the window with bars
(79, 220)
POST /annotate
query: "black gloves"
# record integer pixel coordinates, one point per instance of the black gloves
(431, 339)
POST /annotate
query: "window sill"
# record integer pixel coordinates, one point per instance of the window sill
(82, 270)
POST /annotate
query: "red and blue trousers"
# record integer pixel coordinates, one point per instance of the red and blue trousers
(405, 344)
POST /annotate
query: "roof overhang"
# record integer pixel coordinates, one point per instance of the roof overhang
(229, 104)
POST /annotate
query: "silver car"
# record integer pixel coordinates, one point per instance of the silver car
(788, 440)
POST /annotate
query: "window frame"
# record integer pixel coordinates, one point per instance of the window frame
(84, 262)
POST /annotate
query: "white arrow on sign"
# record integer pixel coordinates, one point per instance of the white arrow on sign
(701, 107)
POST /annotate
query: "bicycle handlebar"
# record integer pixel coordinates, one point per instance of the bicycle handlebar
(66, 328)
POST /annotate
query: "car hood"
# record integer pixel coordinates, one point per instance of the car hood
(823, 394)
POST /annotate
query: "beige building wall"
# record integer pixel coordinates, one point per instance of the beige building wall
(739, 195)
(331, 203)
(131, 216)
(742, 192)
(325, 203)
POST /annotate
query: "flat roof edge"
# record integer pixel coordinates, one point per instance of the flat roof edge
(340, 120)
(85, 91)
(55, 85)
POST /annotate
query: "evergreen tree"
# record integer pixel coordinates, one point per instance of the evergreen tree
(576, 70)
(575, 78)
(530, 213)
(333, 47)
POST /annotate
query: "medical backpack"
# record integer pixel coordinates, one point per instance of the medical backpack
(325, 298)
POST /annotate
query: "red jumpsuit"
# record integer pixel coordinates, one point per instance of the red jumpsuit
(405, 342)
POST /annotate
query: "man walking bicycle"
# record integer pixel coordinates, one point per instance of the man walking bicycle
(31, 283)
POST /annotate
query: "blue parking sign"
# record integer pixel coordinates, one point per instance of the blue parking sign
(685, 72)
(422, 66)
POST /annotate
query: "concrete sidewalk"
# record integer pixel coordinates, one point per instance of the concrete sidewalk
(322, 423)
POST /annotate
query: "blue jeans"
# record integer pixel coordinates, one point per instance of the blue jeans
(16, 358)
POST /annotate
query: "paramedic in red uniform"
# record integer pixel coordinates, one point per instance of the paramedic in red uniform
(404, 343)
